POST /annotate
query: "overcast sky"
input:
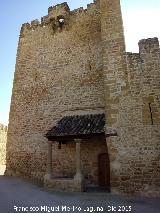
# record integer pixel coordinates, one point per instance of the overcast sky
(141, 20)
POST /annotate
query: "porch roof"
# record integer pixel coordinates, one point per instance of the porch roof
(77, 126)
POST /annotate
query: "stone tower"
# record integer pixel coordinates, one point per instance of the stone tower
(74, 63)
(130, 105)
(115, 77)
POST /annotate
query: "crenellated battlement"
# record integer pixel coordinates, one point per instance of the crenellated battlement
(149, 45)
(143, 70)
(59, 8)
(3, 128)
(54, 14)
(146, 46)
(133, 59)
(91, 5)
(78, 10)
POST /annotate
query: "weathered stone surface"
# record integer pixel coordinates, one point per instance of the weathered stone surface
(3, 141)
(79, 68)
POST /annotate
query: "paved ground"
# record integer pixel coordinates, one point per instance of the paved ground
(19, 196)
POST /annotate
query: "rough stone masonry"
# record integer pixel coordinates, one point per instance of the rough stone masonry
(74, 62)
(3, 141)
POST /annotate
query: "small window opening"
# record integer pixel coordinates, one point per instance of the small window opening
(61, 21)
(36, 77)
(151, 113)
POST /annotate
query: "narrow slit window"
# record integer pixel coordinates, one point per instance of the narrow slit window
(151, 113)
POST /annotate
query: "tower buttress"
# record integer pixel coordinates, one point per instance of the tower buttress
(115, 81)
(114, 65)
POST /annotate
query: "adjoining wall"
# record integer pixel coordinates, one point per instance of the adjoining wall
(3, 141)
(140, 122)
(132, 88)
(135, 153)
(58, 72)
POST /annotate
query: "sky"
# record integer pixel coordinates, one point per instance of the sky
(140, 19)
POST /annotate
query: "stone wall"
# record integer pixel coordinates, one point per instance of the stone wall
(81, 67)
(135, 159)
(58, 72)
(140, 121)
(131, 85)
(3, 141)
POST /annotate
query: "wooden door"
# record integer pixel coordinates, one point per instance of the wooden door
(104, 170)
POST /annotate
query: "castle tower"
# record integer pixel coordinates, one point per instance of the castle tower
(113, 56)
(115, 77)
(79, 67)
